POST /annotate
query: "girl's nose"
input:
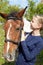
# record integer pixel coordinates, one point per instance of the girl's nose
(31, 22)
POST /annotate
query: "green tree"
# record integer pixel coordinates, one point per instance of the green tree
(4, 4)
(13, 8)
(39, 9)
(31, 9)
(6, 8)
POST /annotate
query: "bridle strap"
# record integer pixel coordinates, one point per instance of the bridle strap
(14, 18)
(14, 42)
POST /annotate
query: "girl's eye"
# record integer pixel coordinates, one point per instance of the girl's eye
(32, 21)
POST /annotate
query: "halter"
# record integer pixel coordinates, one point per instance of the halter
(21, 28)
(14, 18)
(14, 42)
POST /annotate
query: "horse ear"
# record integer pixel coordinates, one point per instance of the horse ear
(4, 15)
(21, 13)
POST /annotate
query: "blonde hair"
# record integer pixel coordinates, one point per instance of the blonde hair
(40, 20)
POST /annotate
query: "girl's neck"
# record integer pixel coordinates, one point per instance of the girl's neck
(36, 33)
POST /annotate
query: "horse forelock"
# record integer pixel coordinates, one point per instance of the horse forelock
(13, 15)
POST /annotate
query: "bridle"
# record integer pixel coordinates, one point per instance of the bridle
(14, 18)
(21, 28)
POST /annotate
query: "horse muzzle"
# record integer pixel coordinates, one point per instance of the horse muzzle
(11, 56)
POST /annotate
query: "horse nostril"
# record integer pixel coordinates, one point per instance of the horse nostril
(10, 57)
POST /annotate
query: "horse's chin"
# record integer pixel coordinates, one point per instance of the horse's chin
(10, 60)
(11, 56)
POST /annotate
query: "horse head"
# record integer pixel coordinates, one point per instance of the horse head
(13, 29)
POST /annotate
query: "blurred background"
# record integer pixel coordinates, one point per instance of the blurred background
(7, 6)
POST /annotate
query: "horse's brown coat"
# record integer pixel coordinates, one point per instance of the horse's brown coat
(13, 26)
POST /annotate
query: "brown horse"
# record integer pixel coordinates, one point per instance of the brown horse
(13, 29)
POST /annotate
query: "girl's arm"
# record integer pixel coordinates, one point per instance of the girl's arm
(30, 55)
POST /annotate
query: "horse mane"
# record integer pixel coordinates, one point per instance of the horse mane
(12, 14)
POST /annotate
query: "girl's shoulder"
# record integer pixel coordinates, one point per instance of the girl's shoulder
(31, 40)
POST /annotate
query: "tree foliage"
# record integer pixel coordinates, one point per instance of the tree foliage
(6, 8)
(39, 9)
(31, 9)
(3, 7)
(4, 4)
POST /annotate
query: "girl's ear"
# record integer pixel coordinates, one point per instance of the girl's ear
(3, 15)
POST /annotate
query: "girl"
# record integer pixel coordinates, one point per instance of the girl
(33, 44)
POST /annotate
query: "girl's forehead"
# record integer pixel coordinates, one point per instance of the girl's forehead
(35, 18)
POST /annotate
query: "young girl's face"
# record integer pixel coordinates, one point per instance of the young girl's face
(35, 23)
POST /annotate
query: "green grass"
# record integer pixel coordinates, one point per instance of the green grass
(40, 59)
(3, 62)
(1, 44)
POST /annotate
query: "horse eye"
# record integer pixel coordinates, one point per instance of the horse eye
(17, 28)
